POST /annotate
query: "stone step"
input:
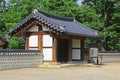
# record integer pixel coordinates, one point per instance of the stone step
(63, 65)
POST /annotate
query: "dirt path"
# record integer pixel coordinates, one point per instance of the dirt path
(109, 71)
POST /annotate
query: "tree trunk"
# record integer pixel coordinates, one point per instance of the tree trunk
(104, 41)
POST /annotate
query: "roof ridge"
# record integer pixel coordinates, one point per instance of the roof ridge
(54, 16)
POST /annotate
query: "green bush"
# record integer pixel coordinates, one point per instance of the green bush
(16, 43)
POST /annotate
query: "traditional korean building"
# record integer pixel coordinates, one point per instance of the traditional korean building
(60, 39)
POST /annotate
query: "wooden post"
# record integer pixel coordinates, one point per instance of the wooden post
(54, 58)
(82, 50)
(70, 50)
(97, 61)
(101, 59)
(40, 42)
(26, 42)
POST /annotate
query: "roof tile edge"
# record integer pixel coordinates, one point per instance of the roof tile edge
(55, 16)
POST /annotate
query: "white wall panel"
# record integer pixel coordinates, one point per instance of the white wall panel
(33, 41)
(75, 43)
(76, 54)
(33, 29)
(45, 29)
(47, 52)
(47, 40)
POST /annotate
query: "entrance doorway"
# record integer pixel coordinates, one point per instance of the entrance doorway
(62, 50)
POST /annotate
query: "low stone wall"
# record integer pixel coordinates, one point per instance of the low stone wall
(13, 59)
(109, 56)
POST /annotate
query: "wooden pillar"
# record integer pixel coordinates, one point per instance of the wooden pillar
(54, 53)
(70, 50)
(82, 50)
(40, 38)
(26, 42)
(40, 42)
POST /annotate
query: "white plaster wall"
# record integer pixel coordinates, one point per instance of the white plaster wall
(33, 29)
(33, 41)
(76, 54)
(75, 43)
(47, 41)
(47, 52)
(45, 29)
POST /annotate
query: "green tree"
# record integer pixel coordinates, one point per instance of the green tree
(2, 23)
(16, 43)
(108, 12)
(59, 7)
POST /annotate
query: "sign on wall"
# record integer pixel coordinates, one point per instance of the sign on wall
(93, 52)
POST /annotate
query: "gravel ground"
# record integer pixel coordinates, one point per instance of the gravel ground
(108, 71)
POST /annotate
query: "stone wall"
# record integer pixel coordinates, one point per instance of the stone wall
(104, 57)
(13, 59)
(109, 56)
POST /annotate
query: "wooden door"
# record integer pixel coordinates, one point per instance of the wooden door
(62, 50)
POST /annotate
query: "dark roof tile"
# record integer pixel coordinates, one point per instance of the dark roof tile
(67, 25)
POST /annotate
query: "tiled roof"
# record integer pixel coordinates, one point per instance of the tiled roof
(18, 52)
(64, 25)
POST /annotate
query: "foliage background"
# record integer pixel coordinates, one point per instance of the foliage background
(101, 15)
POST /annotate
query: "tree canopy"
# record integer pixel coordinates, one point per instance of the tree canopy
(101, 15)
(108, 12)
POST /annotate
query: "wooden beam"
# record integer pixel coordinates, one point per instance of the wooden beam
(37, 33)
(63, 36)
(77, 37)
(25, 28)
